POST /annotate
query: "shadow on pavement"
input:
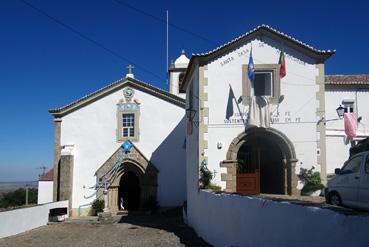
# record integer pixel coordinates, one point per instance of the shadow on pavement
(170, 221)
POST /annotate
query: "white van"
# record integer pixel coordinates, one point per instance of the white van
(350, 186)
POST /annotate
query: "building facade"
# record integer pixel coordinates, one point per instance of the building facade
(351, 92)
(89, 134)
(227, 145)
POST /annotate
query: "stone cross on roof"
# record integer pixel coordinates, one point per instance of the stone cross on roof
(130, 74)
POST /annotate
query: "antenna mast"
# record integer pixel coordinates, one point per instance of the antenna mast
(43, 168)
(166, 69)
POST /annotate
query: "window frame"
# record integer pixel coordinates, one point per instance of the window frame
(347, 163)
(131, 118)
(136, 131)
(274, 68)
(347, 104)
(271, 73)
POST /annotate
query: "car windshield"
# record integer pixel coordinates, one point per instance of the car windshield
(353, 165)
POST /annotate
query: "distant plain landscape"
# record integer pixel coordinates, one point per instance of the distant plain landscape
(11, 186)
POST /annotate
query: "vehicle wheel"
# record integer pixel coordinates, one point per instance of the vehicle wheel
(334, 199)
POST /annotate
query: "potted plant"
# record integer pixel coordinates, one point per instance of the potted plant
(312, 183)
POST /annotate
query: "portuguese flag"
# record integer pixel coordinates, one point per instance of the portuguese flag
(282, 62)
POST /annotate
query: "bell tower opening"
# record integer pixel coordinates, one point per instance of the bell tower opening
(177, 71)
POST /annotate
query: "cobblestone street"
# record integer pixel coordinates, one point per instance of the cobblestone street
(131, 230)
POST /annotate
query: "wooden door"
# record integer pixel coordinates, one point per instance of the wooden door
(248, 172)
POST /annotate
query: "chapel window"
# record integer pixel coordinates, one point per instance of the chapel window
(180, 77)
(128, 125)
(128, 117)
(266, 83)
(263, 83)
(348, 105)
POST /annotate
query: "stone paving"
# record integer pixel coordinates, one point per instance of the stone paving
(131, 230)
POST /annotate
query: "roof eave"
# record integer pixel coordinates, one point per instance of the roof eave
(75, 105)
(319, 56)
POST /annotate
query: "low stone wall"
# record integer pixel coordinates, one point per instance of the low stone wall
(233, 220)
(21, 220)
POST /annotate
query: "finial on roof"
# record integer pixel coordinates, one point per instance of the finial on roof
(130, 74)
(182, 61)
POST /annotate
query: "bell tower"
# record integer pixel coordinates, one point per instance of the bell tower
(176, 73)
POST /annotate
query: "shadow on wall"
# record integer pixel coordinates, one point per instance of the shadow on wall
(170, 159)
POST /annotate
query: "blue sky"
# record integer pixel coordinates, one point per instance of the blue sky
(44, 65)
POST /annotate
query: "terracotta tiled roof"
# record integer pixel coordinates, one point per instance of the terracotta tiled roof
(362, 79)
(48, 176)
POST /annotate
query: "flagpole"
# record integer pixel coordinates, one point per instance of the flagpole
(167, 47)
(238, 107)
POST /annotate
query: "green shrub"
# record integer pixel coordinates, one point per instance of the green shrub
(205, 175)
(311, 188)
(205, 178)
(98, 206)
(311, 179)
(213, 187)
(18, 198)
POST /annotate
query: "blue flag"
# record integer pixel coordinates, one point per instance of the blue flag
(229, 111)
(250, 68)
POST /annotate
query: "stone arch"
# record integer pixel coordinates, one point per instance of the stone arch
(134, 162)
(270, 134)
(129, 165)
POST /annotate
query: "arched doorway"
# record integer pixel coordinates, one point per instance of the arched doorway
(136, 177)
(129, 191)
(262, 160)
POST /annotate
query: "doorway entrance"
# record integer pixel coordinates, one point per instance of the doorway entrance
(261, 160)
(129, 191)
(136, 181)
(260, 167)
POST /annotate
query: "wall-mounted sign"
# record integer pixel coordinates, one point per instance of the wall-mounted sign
(231, 58)
(276, 118)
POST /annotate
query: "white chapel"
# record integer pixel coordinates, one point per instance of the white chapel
(92, 132)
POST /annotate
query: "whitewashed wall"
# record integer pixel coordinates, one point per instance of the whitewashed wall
(232, 220)
(45, 192)
(337, 146)
(192, 147)
(25, 219)
(297, 113)
(92, 129)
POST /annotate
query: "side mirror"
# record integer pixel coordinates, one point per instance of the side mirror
(337, 171)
